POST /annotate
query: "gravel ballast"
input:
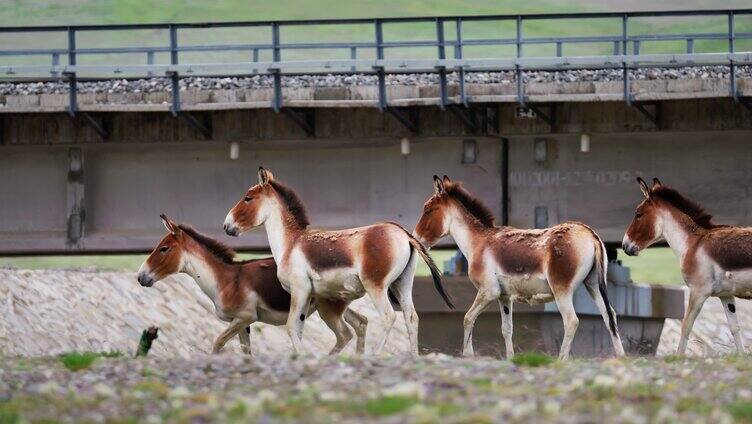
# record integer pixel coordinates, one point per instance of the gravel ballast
(154, 85)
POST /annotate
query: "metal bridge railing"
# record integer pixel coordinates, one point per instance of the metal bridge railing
(626, 51)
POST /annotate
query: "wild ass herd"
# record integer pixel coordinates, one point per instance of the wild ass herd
(316, 270)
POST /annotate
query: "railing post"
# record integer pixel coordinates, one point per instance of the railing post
(624, 33)
(559, 49)
(72, 83)
(55, 62)
(379, 28)
(731, 34)
(458, 46)
(731, 48)
(255, 59)
(690, 45)
(353, 56)
(519, 36)
(150, 61)
(636, 47)
(276, 52)
(173, 45)
(174, 77)
(518, 70)
(458, 55)
(440, 41)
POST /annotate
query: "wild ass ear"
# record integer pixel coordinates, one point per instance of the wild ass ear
(438, 185)
(643, 187)
(656, 183)
(264, 175)
(446, 180)
(171, 226)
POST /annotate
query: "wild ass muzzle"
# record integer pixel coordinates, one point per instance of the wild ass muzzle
(338, 265)
(243, 292)
(716, 260)
(512, 265)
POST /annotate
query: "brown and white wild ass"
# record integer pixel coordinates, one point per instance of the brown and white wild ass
(243, 292)
(336, 265)
(509, 264)
(716, 260)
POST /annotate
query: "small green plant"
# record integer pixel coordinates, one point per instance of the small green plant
(112, 354)
(532, 359)
(9, 414)
(741, 411)
(670, 359)
(389, 405)
(76, 361)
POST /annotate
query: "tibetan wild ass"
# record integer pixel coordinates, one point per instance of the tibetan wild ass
(716, 260)
(338, 265)
(242, 292)
(509, 264)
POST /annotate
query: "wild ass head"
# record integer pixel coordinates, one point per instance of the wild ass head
(262, 201)
(660, 203)
(167, 258)
(450, 201)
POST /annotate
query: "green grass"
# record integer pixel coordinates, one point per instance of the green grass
(532, 359)
(658, 265)
(389, 405)
(131, 263)
(741, 411)
(9, 413)
(76, 361)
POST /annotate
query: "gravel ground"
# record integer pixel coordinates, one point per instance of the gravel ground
(435, 388)
(302, 81)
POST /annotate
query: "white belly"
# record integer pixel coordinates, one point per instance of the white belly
(527, 288)
(736, 283)
(272, 317)
(339, 283)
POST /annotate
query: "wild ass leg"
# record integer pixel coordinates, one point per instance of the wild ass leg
(300, 297)
(600, 303)
(482, 299)
(236, 325)
(245, 340)
(359, 323)
(331, 313)
(571, 322)
(696, 300)
(729, 306)
(505, 306)
(380, 299)
(403, 287)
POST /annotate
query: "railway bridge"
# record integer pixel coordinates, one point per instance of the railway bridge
(96, 141)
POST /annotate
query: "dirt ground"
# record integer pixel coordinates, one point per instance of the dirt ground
(434, 388)
(44, 314)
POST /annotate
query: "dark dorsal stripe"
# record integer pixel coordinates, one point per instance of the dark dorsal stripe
(472, 204)
(221, 251)
(294, 205)
(690, 208)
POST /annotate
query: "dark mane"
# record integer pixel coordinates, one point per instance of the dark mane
(294, 205)
(224, 253)
(695, 211)
(472, 204)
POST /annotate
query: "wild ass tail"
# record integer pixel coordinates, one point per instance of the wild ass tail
(601, 266)
(417, 246)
